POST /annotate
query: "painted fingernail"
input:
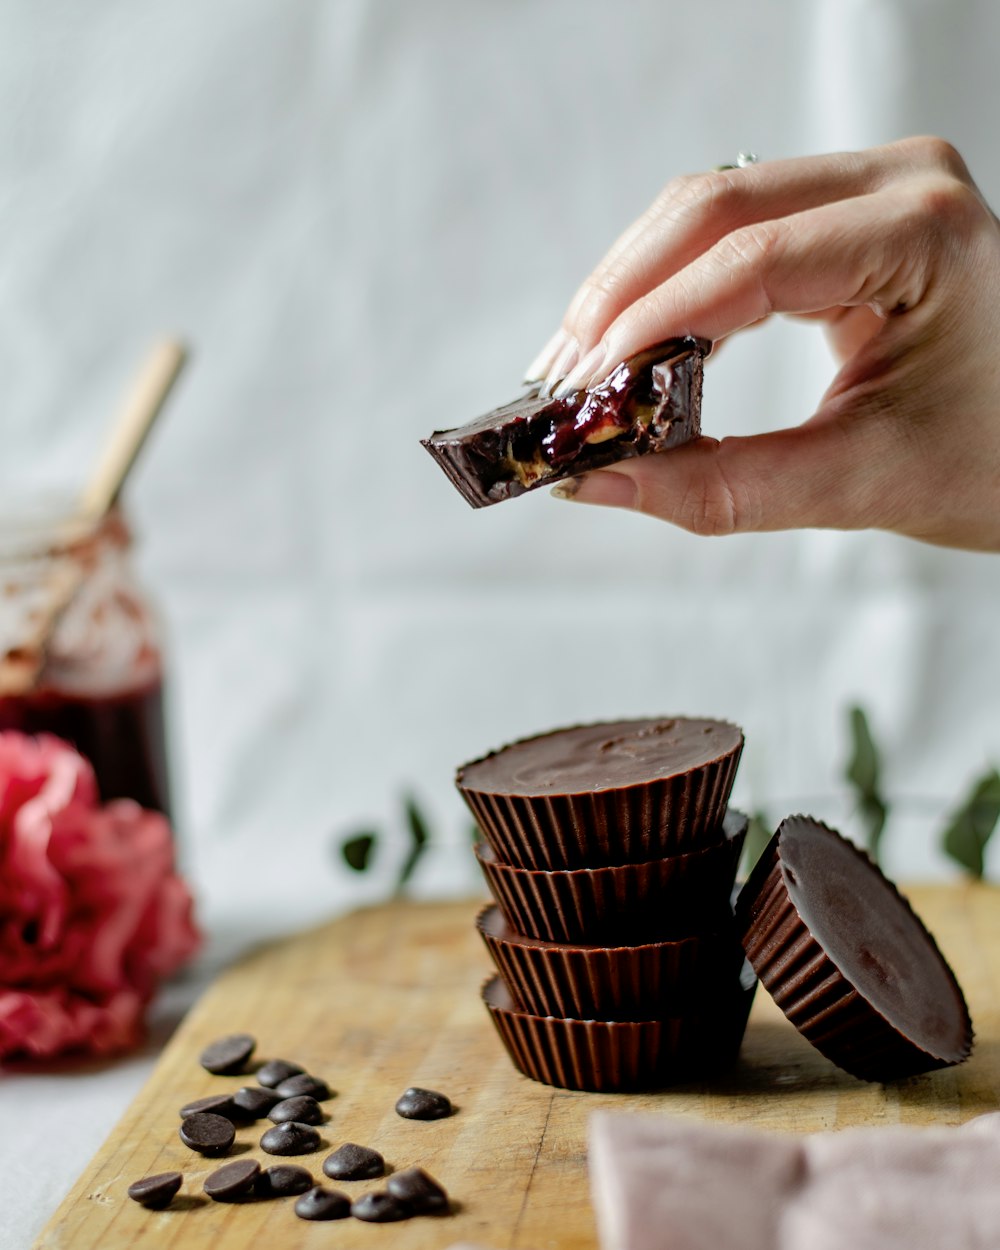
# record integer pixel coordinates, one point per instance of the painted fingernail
(581, 374)
(602, 486)
(565, 361)
(540, 366)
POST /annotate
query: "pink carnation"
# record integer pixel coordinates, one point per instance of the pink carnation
(92, 912)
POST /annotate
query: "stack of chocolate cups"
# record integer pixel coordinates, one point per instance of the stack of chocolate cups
(611, 856)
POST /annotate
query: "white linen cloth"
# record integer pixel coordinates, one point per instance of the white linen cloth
(366, 216)
(667, 1184)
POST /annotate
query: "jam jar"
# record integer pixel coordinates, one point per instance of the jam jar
(98, 682)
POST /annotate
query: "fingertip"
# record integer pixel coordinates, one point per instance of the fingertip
(603, 487)
(542, 363)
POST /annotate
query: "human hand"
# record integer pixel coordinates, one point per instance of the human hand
(896, 252)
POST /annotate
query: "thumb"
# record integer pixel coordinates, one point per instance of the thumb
(828, 473)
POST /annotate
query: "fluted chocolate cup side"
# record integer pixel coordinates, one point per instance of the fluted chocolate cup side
(814, 993)
(667, 816)
(610, 1056)
(620, 904)
(587, 982)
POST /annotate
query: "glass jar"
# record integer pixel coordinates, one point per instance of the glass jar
(99, 681)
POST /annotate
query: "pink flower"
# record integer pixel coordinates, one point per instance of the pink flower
(92, 912)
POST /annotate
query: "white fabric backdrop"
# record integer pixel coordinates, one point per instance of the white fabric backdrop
(366, 216)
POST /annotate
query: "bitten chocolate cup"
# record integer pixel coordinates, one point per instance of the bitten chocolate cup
(609, 982)
(847, 960)
(613, 793)
(607, 1056)
(620, 904)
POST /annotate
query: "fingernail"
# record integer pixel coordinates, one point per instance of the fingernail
(565, 361)
(580, 375)
(602, 486)
(543, 361)
(566, 489)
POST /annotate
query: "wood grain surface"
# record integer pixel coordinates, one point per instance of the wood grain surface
(389, 997)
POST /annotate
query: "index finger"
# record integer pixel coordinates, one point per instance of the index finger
(869, 250)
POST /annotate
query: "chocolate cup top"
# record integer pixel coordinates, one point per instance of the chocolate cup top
(814, 888)
(591, 759)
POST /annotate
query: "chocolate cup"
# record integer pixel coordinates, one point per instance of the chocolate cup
(847, 959)
(623, 904)
(609, 982)
(608, 1056)
(622, 814)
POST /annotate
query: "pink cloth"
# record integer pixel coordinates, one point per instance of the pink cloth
(665, 1184)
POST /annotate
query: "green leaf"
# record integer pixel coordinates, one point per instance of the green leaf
(759, 833)
(419, 837)
(357, 850)
(873, 813)
(863, 774)
(863, 766)
(969, 831)
(475, 834)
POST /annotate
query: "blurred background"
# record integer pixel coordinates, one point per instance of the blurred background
(365, 217)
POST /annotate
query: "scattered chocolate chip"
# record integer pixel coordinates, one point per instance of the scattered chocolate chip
(323, 1204)
(421, 1193)
(423, 1104)
(228, 1054)
(351, 1162)
(217, 1104)
(379, 1208)
(209, 1134)
(283, 1180)
(233, 1181)
(155, 1192)
(275, 1071)
(290, 1138)
(252, 1102)
(303, 1110)
(303, 1083)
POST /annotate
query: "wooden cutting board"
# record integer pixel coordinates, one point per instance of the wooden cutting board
(389, 997)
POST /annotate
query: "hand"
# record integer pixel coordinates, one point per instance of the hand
(896, 252)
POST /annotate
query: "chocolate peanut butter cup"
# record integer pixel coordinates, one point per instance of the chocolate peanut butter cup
(650, 403)
(609, 982)
(846, 958)
(613, 793)
(620, 903)
(608, 1056)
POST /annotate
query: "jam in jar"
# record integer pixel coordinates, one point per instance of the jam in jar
(98, 682)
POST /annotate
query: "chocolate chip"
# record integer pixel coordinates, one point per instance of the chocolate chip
(303, 1110)
(350, 1162)
(228, 1054)
(379, 1208)
(423, 1104)
(155, 1192)
(323, 1204)
(290, 1139)
(209, 1134)
(252, 1102)
(421, 1193)
(233, 1181)
(217, 1104)
(275, 1071)
(283, 1180)
(303, 1083)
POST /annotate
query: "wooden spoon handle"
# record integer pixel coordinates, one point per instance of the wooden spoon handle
(141, 408)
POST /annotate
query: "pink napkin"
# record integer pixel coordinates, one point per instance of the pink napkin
(665, 1184)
